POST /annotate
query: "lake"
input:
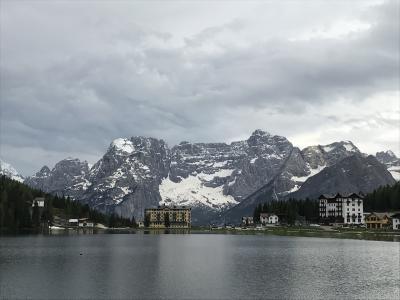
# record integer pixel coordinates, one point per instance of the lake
(196, 266)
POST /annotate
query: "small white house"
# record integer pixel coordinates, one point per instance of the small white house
(86, 223)
(273, 219)
(38, 201)
(247, 221)
(396, 221)
(264, 218)
(73, 222)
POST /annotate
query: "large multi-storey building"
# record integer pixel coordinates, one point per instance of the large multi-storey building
(347, 209)
(168, 217)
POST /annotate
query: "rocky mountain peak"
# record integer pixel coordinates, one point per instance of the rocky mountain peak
(343, 146)
(326, 155)
(136, 144)
(122, 146)
(260, 132)
(44, 171)
(386, 156)
(391, 161)
(71, 167)
(68, 177)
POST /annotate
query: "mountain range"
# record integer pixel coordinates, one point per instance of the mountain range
(219, 181)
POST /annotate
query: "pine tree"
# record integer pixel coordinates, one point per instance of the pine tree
(147, 220)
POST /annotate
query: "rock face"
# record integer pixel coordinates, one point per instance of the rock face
(126, 179)
(212, 178)
(390, 160)
(222, 173)
(350, 174)
(69, 177)
(354, 173)
(9, 171)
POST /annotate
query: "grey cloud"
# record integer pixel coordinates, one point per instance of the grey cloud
(105, 80)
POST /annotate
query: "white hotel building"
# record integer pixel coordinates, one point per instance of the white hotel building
(347, 209)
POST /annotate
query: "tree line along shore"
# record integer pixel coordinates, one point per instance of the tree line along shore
(19, 212)
(382, 199)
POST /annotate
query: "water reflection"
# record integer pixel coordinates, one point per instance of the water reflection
(196, 266)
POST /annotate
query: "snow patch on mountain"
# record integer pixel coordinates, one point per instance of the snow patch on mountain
(124, 145)
(221, 173)
(192, 191)
(349, 147)
(220, 164)
(395, 171)
(313, 172)
(328, 148)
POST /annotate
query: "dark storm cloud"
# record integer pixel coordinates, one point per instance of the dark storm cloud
(72, 81)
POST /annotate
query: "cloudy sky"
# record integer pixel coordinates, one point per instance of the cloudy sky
(75, 75)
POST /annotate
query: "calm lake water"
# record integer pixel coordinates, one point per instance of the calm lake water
(197, 266)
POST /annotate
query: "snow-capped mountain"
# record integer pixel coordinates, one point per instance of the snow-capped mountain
(391, 161)
(219, 175)
(9, 171)
(127, 178)
(140, 172)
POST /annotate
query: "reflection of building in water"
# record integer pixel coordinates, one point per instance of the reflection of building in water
(168, 217)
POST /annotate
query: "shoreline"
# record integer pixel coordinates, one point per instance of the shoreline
(339, 233)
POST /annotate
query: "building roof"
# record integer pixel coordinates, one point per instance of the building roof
(169, 207)
(339, 195)
(380, 215)
(38, 199)
(396, 216)
(267, 215)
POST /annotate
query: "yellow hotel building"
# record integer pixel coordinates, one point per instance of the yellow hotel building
(168, 217)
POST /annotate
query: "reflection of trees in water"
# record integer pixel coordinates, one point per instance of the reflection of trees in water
(167, 231)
